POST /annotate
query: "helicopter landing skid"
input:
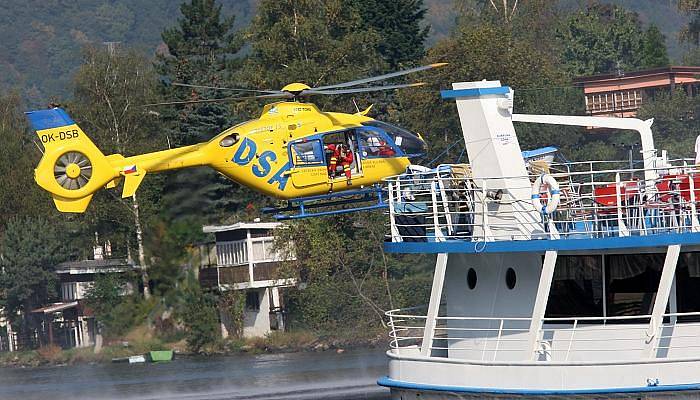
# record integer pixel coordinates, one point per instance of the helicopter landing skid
(301, 205)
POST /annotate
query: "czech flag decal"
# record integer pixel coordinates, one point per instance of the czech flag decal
(129, 169)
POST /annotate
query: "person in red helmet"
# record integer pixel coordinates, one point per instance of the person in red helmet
(333, 154)
(345, 159)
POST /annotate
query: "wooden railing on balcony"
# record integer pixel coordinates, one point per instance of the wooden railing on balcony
(265, 271)
(233, 275)
(208, 277)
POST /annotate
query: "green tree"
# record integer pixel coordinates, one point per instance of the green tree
(349, 280)
(691, 32)
(110, 89)
(201, 50)
(30, 249)
(654, 50)
(676, 121)
(311, 41)
(116, 310)
(398, 24)
(198, 312)
(484, 50)
(602, 39)
(19, 196)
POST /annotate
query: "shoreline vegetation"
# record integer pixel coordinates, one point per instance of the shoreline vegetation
(345, 281)
(276, 342)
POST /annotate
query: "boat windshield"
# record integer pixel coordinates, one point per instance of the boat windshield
(410, 143)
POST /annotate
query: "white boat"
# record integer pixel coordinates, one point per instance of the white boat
(557, 280)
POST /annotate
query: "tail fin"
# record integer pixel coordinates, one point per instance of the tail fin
(72, 168)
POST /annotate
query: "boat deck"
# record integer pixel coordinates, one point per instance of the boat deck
(446, 210)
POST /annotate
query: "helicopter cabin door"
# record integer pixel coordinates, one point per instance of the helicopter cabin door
(347, 138)
(309, 167)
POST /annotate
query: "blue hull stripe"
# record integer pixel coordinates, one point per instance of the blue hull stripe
(47, 119)
(391, 383)
(513, 246)
(453, 94)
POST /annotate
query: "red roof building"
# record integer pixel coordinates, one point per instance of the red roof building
(621, 95)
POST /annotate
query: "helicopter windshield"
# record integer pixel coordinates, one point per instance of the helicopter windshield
(409, 143)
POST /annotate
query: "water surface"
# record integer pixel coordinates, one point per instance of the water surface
(319, 375)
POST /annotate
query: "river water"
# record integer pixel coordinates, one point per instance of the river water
(303, 376)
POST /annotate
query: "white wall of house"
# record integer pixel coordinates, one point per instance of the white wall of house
(257, 322)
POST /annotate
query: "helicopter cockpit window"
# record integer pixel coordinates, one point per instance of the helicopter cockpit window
(408, 142)
(229, 140)
(373, 144)
(307, 153)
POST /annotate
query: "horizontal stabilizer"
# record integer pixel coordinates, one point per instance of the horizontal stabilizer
(132, 180)
(72, 205)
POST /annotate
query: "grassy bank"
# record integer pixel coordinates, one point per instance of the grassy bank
(139, 341)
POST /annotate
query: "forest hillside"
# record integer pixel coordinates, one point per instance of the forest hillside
(42, 39)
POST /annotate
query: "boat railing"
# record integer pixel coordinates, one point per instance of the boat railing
(448, 203)
(558, 339)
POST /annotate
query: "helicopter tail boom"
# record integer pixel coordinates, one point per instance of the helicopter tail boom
(72, 168)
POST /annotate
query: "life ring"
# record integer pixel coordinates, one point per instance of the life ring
(552, 190)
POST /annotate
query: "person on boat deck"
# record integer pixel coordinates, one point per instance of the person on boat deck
(345, 158)
(697, 150)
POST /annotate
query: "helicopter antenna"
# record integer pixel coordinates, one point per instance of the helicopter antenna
(355, 103)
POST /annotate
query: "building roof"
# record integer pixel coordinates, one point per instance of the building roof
(93, 266)
(638, 74)
(239, 226)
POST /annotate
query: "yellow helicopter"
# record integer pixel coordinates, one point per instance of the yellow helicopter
(289, 152)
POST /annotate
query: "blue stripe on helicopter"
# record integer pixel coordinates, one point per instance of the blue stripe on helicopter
(47, 119)
(452, 94)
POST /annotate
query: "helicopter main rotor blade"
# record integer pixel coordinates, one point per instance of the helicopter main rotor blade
(225, 88)
(362, 89)
(380, 77)
(222, 99)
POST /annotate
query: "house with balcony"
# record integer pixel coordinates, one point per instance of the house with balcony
(243, 257)
(69, 322)
(622, 94)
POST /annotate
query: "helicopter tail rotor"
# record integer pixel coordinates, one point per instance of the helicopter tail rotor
(72, 167)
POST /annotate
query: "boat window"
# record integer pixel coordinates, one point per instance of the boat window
(631, 281)
(307, 153)
(688, 286)
(471, 278)
(408, 142)
(510, 278)
(577, 288)
(374, 145)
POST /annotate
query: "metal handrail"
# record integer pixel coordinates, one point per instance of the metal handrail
(437, 206)
(406, 330)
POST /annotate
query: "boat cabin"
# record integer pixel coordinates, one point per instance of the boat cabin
(552, 277)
